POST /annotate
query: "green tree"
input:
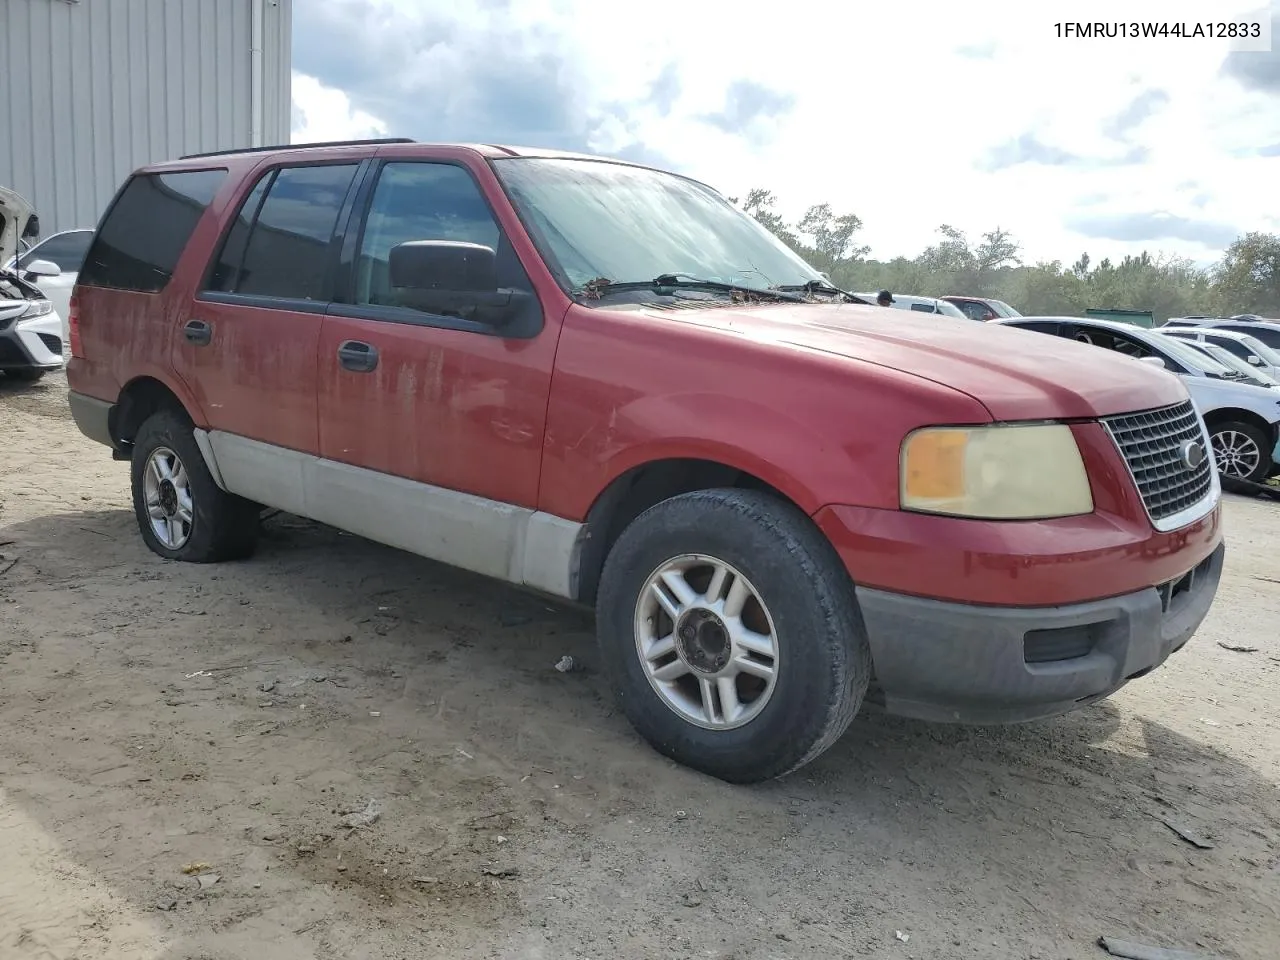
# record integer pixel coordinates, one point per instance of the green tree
(1248, 278)
(832, 235)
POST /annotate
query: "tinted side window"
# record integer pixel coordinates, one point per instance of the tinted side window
(923, 308)
(289, 250)
(1268, 335)
(147, 228)
(1039, 326)
(226, 270)
(425, 201)
(67, 250)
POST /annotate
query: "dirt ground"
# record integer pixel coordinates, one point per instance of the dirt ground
(156, 716)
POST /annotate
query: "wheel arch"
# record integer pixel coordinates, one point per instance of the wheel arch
(643, 485)
(1241, 415)
(139, 399)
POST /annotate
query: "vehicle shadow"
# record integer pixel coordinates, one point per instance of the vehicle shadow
(996, 842)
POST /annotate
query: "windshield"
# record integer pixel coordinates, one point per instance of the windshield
(1229, 359)
(1223, 357)
(592, 219)
(1003, 309)
(1191, 357)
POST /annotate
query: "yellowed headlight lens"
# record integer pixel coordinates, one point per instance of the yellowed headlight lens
(996, 472)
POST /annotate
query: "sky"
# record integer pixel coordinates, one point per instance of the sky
(909, 114)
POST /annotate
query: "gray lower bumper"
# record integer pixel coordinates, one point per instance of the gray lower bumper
(970, 664)
(93, 417)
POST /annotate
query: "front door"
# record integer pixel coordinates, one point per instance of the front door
(436, 400)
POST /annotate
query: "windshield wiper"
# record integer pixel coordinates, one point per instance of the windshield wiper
(821, 286)
(601, 286)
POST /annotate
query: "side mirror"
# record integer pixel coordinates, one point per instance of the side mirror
(41, 268)
(1155, 362)
(1255, 360)
(445, 266)
(453, 279)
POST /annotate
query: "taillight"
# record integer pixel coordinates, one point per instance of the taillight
(73, 326)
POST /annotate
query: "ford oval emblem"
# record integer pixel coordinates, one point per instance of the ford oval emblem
(1192, 454)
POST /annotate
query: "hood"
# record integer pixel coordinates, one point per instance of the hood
(1015, 374)
(15, 214)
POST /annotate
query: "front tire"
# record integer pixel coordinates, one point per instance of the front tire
(182, 514)
(1241, 451)
(731, 634)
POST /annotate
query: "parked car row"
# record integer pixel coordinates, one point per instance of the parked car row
(902, 301)
(1260, 328)
(1243, 417)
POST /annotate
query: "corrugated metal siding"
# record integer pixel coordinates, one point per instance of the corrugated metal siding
(90, 90)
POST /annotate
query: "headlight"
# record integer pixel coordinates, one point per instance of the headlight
(38, 308)
(995, 472)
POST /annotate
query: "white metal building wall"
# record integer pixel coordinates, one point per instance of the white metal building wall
(90, 90)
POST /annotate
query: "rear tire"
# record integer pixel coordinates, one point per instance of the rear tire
(1241, 451)
(709, 582)
(182, 514)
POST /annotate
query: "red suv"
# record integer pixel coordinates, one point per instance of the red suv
(606, 383)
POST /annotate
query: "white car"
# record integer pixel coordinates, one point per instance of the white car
(1243, 419)
(902, 301)
(66, 251)
(31, 336)
(1260, 328)
(1243, 345)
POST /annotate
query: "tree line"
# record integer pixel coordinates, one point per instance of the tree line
(1245, 280)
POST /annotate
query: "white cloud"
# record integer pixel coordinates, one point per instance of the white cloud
(892, 121)
(322, 113)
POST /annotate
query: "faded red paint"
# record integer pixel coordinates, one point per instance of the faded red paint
(814, 400)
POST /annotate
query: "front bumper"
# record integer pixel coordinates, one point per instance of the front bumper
(33, 344)
(962, 663)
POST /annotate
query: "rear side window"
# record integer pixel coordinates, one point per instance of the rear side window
(147, 228)
(923, 308)
(282, 241)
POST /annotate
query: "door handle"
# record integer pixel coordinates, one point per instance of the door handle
(198, 332)
(358, 356)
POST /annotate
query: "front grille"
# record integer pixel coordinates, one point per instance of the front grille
(1152, 445)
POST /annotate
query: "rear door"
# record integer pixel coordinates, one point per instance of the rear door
(246, 347)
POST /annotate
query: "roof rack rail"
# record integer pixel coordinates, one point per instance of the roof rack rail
(299, 146)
